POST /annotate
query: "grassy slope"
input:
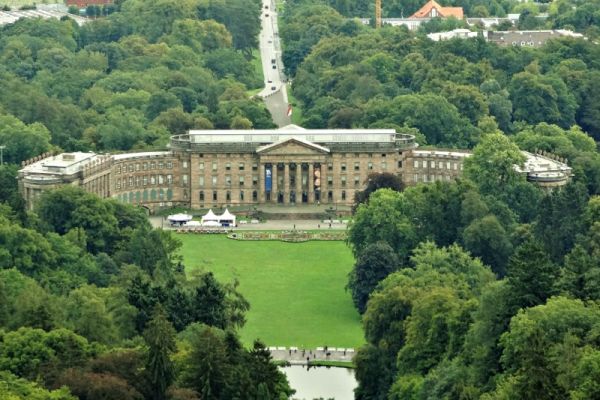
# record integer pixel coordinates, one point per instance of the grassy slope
(296, 290)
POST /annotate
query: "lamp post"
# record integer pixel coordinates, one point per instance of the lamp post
(2, 155)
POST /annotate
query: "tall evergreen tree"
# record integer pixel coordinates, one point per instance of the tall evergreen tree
(160, 338)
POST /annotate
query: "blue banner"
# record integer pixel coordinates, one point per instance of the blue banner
(268, 179)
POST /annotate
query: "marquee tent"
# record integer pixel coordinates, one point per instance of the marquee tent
(179, 219)
(209, 217)
(227, 218)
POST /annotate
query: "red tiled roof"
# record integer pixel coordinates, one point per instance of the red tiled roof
(443, 12)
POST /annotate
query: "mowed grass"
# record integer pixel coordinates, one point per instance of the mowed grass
(296, 290)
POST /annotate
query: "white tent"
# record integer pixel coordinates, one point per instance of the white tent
(209, 217)
(211, 223)
(227, 218)
(179, 218)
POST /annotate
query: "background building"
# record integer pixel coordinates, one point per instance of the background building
(290, 166)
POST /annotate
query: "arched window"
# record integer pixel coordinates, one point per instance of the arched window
(343, 195)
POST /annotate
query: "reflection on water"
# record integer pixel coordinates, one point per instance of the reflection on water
(325, 382)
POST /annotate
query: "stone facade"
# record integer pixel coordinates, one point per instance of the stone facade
(289, 166)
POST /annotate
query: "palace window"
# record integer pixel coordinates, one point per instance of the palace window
(416, 178)
(241, 195)
(343, 181)
(169, 179)
(161, 165)
(383, 165)
(130, 181)
(130, 167)
(161, 179)
(330, 166)
(357, 166)
(357, 181)
(201, 195)
(241, 181)
(214, 166)
(137, 166)
(432, 164)
(330, 181)
(255, 180)
(201, 181)
(118, 184)
(215, 196)
(228, 180)
(214, 181)
(241, 166)
(343, 166)
(137, 181)
(254, 196)
(455, 166)
(370, 166)
(440, 164)
(183, 164)
(152, 165)
(228, 166)
(416, 163)
(254, 166)
(461, 167)
(447, 164)
(201, 166)
(153, 179)
(399, 164)
(145, 180)
(184, 178)
(228, 196)
(343, 195)
(145, 166)
(169, 164)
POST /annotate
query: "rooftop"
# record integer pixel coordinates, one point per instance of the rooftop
(9, 17)
(63, 164)
(440, 11)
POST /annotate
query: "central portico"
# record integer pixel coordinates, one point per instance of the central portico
(292, 171)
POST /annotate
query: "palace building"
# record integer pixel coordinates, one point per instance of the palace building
(290, 165)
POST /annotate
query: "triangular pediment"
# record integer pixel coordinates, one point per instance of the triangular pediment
(292, 146)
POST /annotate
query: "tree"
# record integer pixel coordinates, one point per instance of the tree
(531, 274)
(386, 217)
(377, 181)
(487, 238)
(493, 163)
(22, 141)
(206, 368)
(160, 339)
(374, 263)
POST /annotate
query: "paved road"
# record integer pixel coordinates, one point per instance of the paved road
(275, 91)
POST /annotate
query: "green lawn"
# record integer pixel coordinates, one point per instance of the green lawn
(296, 290)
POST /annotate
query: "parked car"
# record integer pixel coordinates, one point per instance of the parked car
(274, 66)
(273, 87)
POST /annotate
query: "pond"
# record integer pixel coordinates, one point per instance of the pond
(325, 382)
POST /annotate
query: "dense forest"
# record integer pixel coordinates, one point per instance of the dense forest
(94, 303)
(487, 287)
(130, 80)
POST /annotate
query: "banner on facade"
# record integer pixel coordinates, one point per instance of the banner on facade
(268, 179)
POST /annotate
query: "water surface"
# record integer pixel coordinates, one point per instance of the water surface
(316, 382)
